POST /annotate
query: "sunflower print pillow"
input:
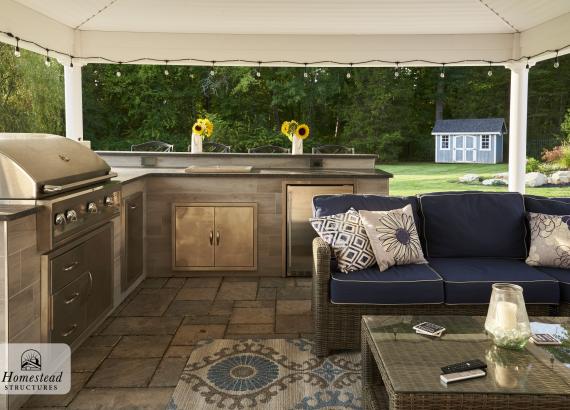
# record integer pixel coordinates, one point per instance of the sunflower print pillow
(393, 236)
(549, 240)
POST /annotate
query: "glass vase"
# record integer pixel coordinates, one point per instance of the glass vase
(297, 148)
(507, 321)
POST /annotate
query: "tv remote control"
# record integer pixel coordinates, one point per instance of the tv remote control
(455, 377)
(464, 366)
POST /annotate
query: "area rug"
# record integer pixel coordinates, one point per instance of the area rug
(273, 374)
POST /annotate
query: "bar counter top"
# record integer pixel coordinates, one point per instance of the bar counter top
(130, 174)
(11, 212)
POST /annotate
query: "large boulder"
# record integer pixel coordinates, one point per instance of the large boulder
(560, 177)
(534, 179)
(469, 178)
(494, 181)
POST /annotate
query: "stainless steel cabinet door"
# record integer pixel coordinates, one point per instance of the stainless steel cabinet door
(193, 236)
(99, 264)
(235, 236)
(134, 214)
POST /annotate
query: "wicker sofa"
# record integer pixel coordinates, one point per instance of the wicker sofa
(463, 263)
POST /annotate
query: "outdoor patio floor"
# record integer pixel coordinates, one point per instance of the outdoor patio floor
(135, 358)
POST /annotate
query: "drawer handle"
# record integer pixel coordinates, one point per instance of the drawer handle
(71, 299)
(70, 331)
(218, 238)
(211, 238)
(71, 266)
(90, 283)
(131, 206)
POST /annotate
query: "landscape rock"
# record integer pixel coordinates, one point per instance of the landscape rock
(467, 178)
(494, 181)
(560, 177)
(502, 175)
(534, 179)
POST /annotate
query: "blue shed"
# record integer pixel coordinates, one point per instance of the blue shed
(474, 140)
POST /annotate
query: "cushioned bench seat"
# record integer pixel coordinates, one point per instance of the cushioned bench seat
(399, 285)
(563, 277)
(469, 280)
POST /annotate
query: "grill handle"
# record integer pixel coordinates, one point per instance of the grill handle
(50, 189)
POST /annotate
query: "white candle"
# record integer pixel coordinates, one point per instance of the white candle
(506, 316)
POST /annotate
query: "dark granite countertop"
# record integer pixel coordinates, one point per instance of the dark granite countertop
(11, 212)
(232, 154)
(130, 174)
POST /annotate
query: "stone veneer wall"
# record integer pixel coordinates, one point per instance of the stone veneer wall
(20, 302)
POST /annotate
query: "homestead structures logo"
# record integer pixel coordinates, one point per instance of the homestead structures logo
(35, 368)
(31, 360)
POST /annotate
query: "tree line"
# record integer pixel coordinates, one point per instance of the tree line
(373, 110)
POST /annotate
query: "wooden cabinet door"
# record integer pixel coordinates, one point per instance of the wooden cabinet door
(235, 236)
(194, 236)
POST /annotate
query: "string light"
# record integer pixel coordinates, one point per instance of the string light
(527, 65)
(306, 74)
(348, 73)
(258, 73)
(71, 62)
(17, 49)
(442, 73)
(397, 70)
(556, 62)
(490, 72)
(118, 73)
(166, 72)
(212, 70)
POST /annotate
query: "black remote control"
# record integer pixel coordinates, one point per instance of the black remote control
(464, 366)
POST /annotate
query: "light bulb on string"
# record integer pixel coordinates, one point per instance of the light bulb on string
(71, 62)
(212, 70)
(118, 73)
(349, 73)
(556, 62)
(166, 72)
(490, 72)
(17, 48)
(48, 61)
(258, 72)
(306, 74)
(397, 70)
(442, 73)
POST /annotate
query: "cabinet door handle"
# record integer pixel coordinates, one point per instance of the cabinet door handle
(71, 266)
(72, 298)
(90, 282)
(72, 329)
(217, 237)
(131, 206)
(211, 238)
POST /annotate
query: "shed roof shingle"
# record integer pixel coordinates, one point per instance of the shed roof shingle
(470, 125)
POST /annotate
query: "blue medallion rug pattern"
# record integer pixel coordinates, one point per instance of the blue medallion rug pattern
(267, 374)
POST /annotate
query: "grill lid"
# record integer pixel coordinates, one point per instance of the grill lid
(37, 165)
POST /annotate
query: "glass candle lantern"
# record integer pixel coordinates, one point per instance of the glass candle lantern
(507, 321)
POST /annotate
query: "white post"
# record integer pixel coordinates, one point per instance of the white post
(73, 103)
(517, 126)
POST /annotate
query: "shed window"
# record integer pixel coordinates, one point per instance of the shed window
(485, 143)
(444, 143)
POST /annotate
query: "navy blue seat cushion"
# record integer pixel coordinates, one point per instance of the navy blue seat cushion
(474, 224)
(399, 285)
(549, 206)
(563, 277)
(469, 280)
(325, 205)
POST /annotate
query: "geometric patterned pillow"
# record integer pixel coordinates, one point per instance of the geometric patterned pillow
(549, 240)
(347, 237)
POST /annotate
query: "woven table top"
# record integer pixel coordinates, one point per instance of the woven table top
(412, 361)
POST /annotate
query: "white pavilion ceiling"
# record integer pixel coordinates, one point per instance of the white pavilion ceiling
(302, 16)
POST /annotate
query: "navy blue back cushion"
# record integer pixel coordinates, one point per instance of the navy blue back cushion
(550, 206)
(325, 205)
(474, 224)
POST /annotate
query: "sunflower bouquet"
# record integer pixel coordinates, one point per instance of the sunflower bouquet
(203, 127)
(296, 133)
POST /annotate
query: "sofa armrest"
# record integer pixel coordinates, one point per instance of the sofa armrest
(321, 262)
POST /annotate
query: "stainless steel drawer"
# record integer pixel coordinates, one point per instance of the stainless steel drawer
(69, 309)
(67, 267)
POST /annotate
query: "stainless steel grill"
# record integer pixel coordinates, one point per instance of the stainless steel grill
(39, 165)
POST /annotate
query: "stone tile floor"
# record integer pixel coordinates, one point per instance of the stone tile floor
(135, 358)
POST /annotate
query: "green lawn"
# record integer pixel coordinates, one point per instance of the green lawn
(415, 178)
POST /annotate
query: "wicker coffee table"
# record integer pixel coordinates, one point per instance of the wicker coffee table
(401, 369)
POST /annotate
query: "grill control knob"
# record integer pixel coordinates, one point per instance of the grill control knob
(108, 201)
(92, 208)
(71, 216)
(60, 219)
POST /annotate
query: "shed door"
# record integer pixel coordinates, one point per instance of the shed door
(465, 148)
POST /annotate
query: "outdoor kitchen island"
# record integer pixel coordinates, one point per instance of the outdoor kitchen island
(234, 214)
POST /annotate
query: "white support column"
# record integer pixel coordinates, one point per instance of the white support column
(517, 126)
(73, 103)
